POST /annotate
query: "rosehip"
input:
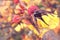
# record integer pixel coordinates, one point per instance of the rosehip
(16, 1)
(21, 11)
(16, 19)
(31, 9)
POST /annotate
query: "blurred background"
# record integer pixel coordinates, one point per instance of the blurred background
(28, 19)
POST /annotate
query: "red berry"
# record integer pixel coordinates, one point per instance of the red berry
(16, 1)
(21, 11)
(16, 19)
(31, 9)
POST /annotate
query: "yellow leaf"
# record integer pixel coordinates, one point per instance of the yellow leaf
(31, 27)
(54, 20)
(46, 19)
(18, 28)
(41, 23)
(9, 18)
